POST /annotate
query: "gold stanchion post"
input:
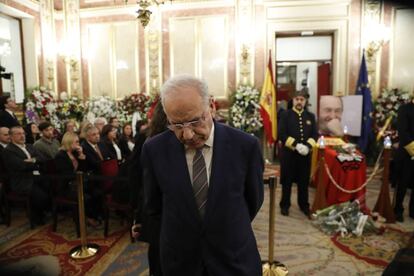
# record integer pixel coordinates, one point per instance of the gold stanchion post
(320, 195)
(271, 267)
(84, 250)
(383, 205)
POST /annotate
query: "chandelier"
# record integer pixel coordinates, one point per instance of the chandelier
(144, 14)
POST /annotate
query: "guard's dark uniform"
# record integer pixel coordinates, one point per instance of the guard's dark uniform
(405, 127)
(296, 127)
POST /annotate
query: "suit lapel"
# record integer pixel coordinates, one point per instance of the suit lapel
(220, 149)
(18, 151)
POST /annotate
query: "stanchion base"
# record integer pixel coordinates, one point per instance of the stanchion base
(83, 252)
(274, 269)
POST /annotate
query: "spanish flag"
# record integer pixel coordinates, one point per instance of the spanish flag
(268, 105)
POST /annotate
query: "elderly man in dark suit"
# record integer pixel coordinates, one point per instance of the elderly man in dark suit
(7, 109)
(21, 164)
(203, 187)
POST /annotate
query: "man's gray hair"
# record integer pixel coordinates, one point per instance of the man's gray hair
(100, 120)
(184, 81)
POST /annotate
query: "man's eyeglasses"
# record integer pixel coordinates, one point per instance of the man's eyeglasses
(192, 124)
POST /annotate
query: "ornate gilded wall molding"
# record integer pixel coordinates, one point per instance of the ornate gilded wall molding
(372, 16)
(153, 54)
(72, 46)
(245, 41)
(47, 24)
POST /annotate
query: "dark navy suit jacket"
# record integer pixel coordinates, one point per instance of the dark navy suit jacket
(222, 242)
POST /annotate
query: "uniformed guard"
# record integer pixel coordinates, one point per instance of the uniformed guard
(298, 133)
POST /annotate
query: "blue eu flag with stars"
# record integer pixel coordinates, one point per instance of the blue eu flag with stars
(367, 107)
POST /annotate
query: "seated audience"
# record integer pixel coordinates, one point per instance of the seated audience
(47, 146)
(69, 160)
(4, 137)
(108, 144)
(4, 141)
(91, 149)
(7, 108)
(82, 130)
(93, 160)
(99, 123)
(69, 126)
(32, 133)
(21, 163)
(126, 141)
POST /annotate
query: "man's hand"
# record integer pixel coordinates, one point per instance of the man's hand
(136, 230)
(335, 127)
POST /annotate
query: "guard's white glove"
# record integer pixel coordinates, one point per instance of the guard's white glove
(302, 149)
(305, 150)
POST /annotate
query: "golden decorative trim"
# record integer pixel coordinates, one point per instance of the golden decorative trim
(311, 142)
(410, 148)
(289, 143)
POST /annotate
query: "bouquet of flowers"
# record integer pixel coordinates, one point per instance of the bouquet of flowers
(138, 102)
(385, 112)
(100, 106)
(70, 108)
(245, 110)
(40, 105)
(344, 218)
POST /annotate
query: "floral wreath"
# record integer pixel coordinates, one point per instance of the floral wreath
(70, 108)
(137, 102)
(245, 110)
(40, 105)
(386, 110)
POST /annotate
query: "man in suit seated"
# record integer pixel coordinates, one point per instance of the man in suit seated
(4, 141)
(93, 159)
(203, 186)
(21, 164)
(7, 108)
(4, 137)
(92, 151)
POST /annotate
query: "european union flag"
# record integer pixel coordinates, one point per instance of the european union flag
(367, 107)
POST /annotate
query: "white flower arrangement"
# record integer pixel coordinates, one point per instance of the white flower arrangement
(386, 105)
(245, 109)
(100, 106)
(40, 105)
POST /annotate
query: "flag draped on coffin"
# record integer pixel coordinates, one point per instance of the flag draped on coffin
(362, 88)
(268, 105)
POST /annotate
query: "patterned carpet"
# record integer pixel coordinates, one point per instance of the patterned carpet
(299, 245)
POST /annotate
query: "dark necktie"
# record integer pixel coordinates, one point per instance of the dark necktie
(200, 183)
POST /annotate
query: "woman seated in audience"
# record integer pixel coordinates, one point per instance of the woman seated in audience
(126, 141)
(32, 133)
(69, 160)
(108, 144)
(68, 126)
(82, 130)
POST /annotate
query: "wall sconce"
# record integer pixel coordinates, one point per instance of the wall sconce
(245, 64)
(377, 36)
(144, 14)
